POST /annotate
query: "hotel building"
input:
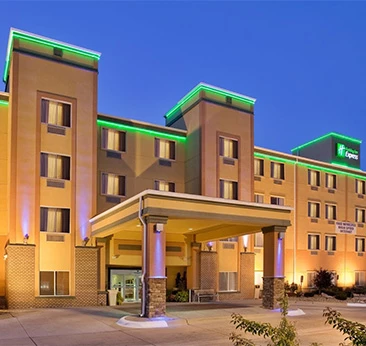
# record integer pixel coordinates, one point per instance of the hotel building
(90, 202)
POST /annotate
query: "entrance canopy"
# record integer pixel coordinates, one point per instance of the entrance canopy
(205, 217)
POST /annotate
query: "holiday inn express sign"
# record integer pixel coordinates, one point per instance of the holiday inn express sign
(345, 152)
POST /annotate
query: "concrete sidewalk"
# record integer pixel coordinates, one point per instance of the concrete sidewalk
(188, 324)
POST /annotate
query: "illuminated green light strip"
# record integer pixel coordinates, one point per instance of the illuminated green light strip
(201, 87)
(139, 129)
(334, 134)
(15, 34)
(4, 103)
(308, 165)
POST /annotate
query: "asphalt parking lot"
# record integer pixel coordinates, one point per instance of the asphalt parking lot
(187, 324)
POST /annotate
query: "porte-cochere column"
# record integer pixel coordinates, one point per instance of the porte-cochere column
(155, 279)
(273, 271)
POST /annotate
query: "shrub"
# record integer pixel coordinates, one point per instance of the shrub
(323, 279)
(341, 296)
(309, 294)
(182, 296)
(356, 331)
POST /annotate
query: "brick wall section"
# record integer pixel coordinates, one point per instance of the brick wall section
(156, 297)
(20, 279)
(209, 270)
(246, 289)
(273, 291)
(86, 275)
(20, 274)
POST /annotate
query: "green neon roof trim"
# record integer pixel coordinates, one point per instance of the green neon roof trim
(139, 129)
(5, 103)
(308, 165)
(330, 134)
(15, 33)
(214, 90)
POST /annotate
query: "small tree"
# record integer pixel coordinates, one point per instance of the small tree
(283, 335)
(323, 279)
(356, 332)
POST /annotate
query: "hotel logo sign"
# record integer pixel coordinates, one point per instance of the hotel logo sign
(345, 152)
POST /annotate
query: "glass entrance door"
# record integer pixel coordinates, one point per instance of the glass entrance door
(128, 282)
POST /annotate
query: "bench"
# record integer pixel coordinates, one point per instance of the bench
(207, 293)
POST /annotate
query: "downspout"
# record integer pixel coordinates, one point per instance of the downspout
(144, 252)
(295, 220)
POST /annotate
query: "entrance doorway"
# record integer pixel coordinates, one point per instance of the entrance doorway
(128, 282)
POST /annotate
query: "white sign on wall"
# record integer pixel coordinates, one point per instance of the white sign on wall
(345, 227)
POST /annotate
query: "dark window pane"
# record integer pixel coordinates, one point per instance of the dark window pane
(47, 283)
(44, 111)
(62, 283)
(172, 150)
(66, 111)
(65, 214)
(235, 149)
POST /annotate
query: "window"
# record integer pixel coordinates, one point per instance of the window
(113, 140)
(360, 215)
(55, 166)
(164, 186)
(360, 186)
(55, 113)
(228, 147)
(360, 244)
(277, 170)
(258, 198)
(164, 149)
(228, 281)
(330, 181)
(360, 278)
(54, 283)
(330, 212)
(228, 189)
(55, 220)
(330, 243)
(313, 241)
(310, 279)
(277, 200)
(258, 239)
(113, 184)
(313, 177)
(258, 167)
(314, 209)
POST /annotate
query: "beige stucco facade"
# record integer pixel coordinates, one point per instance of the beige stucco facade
(121, 232)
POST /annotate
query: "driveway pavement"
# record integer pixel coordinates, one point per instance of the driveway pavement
(188, 324)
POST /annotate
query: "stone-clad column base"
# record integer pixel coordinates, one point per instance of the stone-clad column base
(156, 297)
(273, 291)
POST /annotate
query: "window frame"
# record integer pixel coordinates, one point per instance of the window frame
(157, 149)
(102, 140)
(363, 188)
(235, 193)
(363, 215)
(318, 245)
(222, 147)
(55, 154)
(334, 243)
(157, 181)
(62, 226)
(282, 170)
(363, 244)
(57, 101)
(258, 194)
(229, 284)
(335, 183)
(330, 205)
(115, 174)
(54, 283)
(278, 198)
(318, 210)
(261, 167)
(318, 182)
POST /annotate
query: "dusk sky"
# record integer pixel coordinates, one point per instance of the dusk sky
(305, 62)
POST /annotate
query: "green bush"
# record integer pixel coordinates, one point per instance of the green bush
(323, 279)
(309, 294)
(182, 296)
(341, 296)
